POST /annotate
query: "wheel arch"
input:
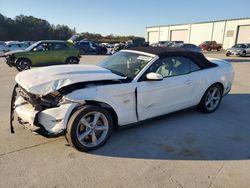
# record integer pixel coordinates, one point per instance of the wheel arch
(24, 58)
(106, 106)
(72, 56)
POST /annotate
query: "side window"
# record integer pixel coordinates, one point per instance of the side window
(40, 47)
(173, 66)
(193, 65)
(84, 43)
(60, 46)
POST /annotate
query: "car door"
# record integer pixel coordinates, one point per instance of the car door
(173, 93)
(42, 54)
(93, 48)
(60, 52)
(85, 47)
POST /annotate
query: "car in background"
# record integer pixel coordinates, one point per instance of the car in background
(164, 43)
(14, 46)
(107, 45)
(46, 52)
(239, 50)
(210, 45)
(140, 42)
(187, 46)
(89, 47)
(86, 102)
(3, 48)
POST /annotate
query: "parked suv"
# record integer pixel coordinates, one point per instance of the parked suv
(239, 50)
(210, 45)
(47, 52)
(89, 47)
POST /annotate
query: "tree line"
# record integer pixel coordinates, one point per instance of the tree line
(29, 28)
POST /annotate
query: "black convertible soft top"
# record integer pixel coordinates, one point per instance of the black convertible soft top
(162, 52)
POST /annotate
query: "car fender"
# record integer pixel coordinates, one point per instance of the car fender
(121, 97)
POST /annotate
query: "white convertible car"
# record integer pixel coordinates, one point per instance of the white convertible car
(86, 102)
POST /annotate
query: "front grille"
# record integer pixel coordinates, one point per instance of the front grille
(30, 98)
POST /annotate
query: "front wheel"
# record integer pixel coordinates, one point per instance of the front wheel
(89, 128)
(211, 99)
(23, 64)
(243, 54)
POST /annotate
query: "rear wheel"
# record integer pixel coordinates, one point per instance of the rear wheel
(243, 54)
(23, 64)
(89, 128)
(211, 99)
(72, 60)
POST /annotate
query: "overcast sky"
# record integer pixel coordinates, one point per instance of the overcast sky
(128, 17)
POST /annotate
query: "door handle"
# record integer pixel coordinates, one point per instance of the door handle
(188, 82)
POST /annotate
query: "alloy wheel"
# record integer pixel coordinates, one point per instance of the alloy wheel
(92, 129)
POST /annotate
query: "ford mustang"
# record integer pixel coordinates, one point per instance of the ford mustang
(86, 102)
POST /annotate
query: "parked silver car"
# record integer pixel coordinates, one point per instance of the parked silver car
(239, 50)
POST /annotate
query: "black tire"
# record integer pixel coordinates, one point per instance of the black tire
(218, 49)
(227, 54)
(74, 128)
(204, 106)
(209, 49)
(23, 64)
(72, 60)
(243, 54)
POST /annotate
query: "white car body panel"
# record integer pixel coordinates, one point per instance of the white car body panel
(161, 97)
(132, 102)
(121, 97)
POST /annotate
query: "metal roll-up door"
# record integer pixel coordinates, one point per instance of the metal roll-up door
(153, 37)
(243, 34)
(179, 35)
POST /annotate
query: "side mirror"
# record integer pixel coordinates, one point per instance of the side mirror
(154, 76)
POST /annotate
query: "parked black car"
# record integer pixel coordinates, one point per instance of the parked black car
(187, 46)
(89, 47)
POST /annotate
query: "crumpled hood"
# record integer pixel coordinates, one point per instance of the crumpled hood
(42, 81)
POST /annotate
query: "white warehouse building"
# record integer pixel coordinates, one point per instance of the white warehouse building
(226, 32)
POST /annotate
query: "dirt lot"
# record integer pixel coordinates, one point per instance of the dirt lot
(185, 149)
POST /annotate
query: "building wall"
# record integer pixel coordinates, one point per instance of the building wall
(201, 33)
(224, 32)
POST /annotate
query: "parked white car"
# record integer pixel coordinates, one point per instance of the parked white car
(87, 101)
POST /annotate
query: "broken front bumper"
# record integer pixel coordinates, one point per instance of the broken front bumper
(53, 120)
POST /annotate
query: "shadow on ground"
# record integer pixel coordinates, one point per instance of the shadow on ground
(188, 135)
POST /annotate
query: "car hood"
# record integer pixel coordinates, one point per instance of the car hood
(14, 52)
(42, 81)
(234, 49)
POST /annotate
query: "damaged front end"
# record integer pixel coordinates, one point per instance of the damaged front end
(10, 60)
(50, 112)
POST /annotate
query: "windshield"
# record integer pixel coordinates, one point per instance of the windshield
(239, 46)
(127, 64)
(32, 46)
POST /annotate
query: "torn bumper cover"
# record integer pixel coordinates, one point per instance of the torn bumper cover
(31, 109)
